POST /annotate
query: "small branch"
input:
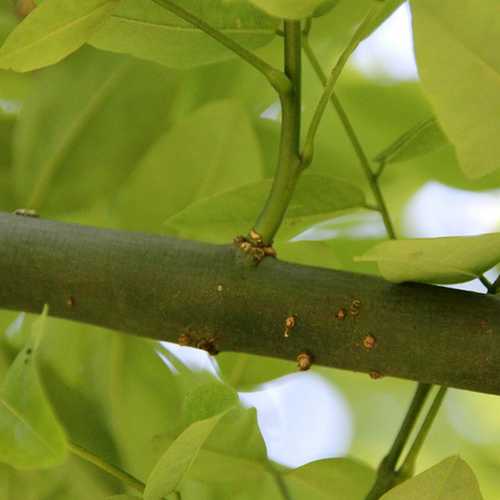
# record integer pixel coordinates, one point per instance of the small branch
(308, 152)
(353, 138)
(280, 483)
(407, 469)
(288, 169)
(276, 78)
(495, 286)
(387, 475)
(123, 476)
(380, 169)
(490, 287)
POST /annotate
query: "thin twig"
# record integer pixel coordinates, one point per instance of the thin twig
(407, 469)
(387, 475)
(353, 138)
(308, 152)
(120, 474)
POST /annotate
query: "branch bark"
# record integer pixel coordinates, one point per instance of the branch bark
(162, 288)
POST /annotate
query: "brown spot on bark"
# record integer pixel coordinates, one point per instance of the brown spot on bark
(290, 323)
(70, 302)
(208, 344)
(304, 361)
(355, 307)
(341, 314)
(184, 339)
(369, 342)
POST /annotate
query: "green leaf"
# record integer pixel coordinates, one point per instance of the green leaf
(436, 260)
(30, 435)
(311, 253)
(122, 497)
(450, 479)
(207, 399)
(330, 478)
(456, 44)
(316, 198)
(175, 463)
(214, 149)
(148, 31)
(109, 110)
(425, 137)
(289, 9)
(388, 7)
(53, 30)
(232, 454)
(324, 8)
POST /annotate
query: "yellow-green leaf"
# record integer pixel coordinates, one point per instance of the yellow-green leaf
(451, 479)
(149, 31)
(456, 44)
(436, 260)
(53, 30)
(30, 435)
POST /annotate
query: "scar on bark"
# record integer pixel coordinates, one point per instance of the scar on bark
(253, 246)
(290, 323)
(304, 361)
(204, 342)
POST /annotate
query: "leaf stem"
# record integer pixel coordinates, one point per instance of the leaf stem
(288, 169)
(308, 151)
(280, 483)
(407, 469)
(353, 138)
(276, 78)
(386, 474)
(88, 456)
(491, 288)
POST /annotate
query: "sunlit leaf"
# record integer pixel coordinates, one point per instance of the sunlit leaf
(30, 435)
(456, 44)
(173, 466)
(52, 31)
(436, 260)
(421, 139)
(147, 30)
(448, 480)
(291, 9)
(331, 478)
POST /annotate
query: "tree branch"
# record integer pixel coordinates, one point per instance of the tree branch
(162, 287)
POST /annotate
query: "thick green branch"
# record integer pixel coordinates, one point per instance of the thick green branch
(275, 77)
(160, 287)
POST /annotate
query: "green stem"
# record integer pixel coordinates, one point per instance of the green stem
(280, 483)
(386, 474)
(86, 455)
(495, 285)
(288, 170)
(407, 469)
(353, 138)
(490, 287)
(275, 77)
(308, 152)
